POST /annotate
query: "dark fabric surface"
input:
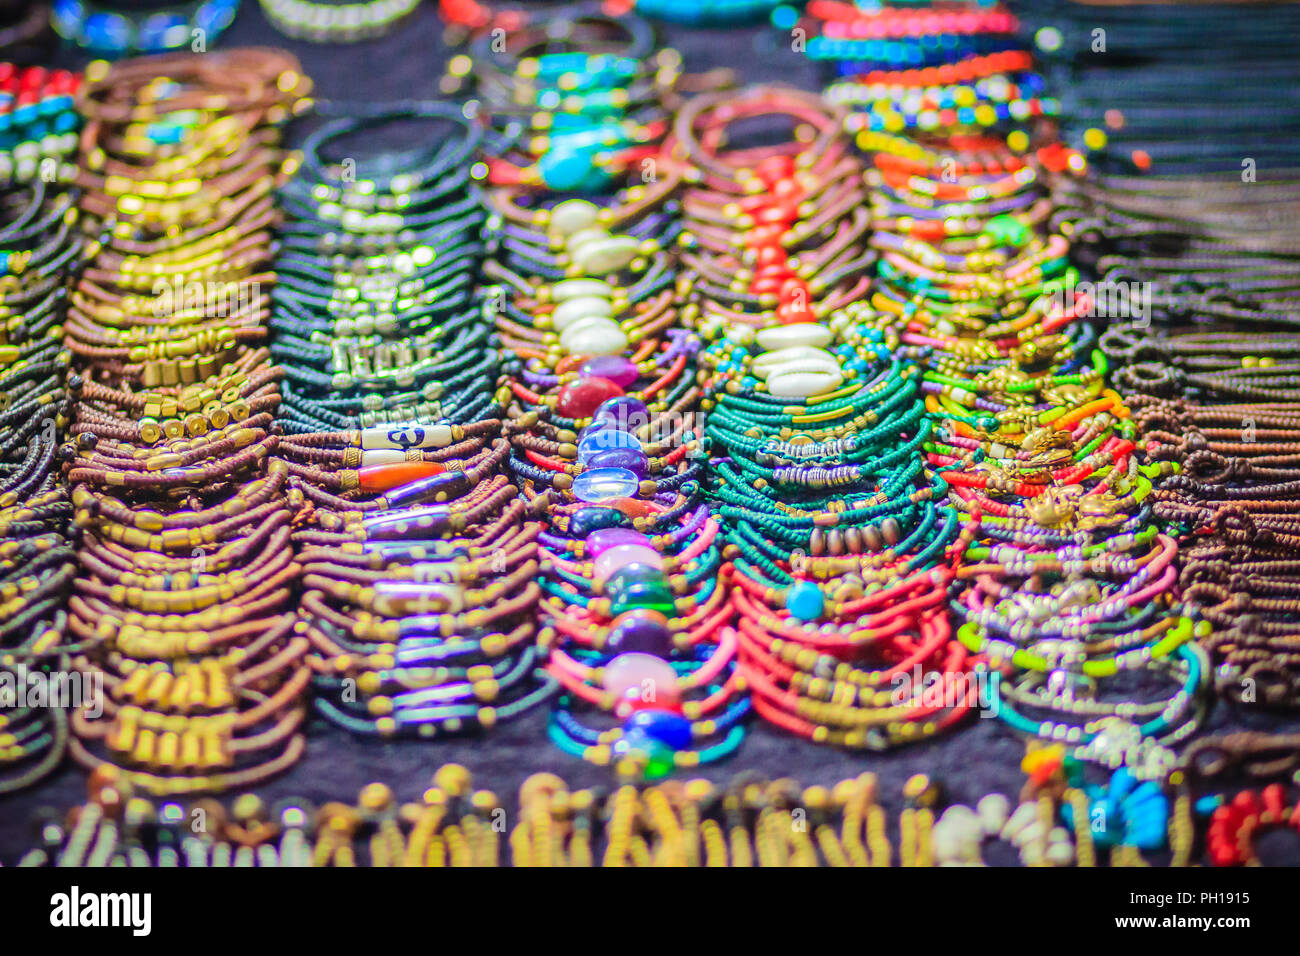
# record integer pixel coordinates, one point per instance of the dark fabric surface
(981, 757)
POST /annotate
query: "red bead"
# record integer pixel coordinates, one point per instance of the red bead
(579, 399)
(775, 168)
(379, 478)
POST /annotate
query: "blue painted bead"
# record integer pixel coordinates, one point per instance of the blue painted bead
(804, 601)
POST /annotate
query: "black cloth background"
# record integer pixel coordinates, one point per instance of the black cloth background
(981, 757)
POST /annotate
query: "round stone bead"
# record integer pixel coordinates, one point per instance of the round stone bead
(583, 523)
(625, 556)
(663, 725)
(652, 679)
(641, 630)
(634, 461)
(804, 601)
(604, 484)
(581, 398)
(598, 542)
(617, 368)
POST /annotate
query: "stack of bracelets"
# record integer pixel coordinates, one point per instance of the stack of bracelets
(602, 392)
(1064, 578)
(419, 561)
(38, 123)
(1214, 395)
(183, 604)
(583, 100)
(816, 428)
(115, 29)
(38, 231)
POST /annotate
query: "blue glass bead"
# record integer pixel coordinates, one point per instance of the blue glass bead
(607, 439)
(804, 601)
(593, 519)
(658, 756)
(668, 728)
(605, 484)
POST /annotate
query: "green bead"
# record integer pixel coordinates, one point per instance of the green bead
(1007, 230)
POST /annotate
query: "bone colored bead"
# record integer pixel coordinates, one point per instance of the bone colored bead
(584, 237)
(1059, 848)
(801, 333)
(794, 382)
(992, 810)
(567, 289)
(804, 355)
(1024, 815)
(566, 313)
(602, 256)
(594, 336)
(573, 215)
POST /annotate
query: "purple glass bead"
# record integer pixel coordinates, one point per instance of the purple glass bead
(617, 368)
(611, 439)
(629, 413)
(641, 631)
(634, 461)
(601, 540)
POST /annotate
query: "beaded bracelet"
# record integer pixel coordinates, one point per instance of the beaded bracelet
(102, 30)
(37, 227)
(336, 22)
(186, 570)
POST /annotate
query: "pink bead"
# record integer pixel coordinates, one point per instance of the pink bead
(608, 564)
(639, 680)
